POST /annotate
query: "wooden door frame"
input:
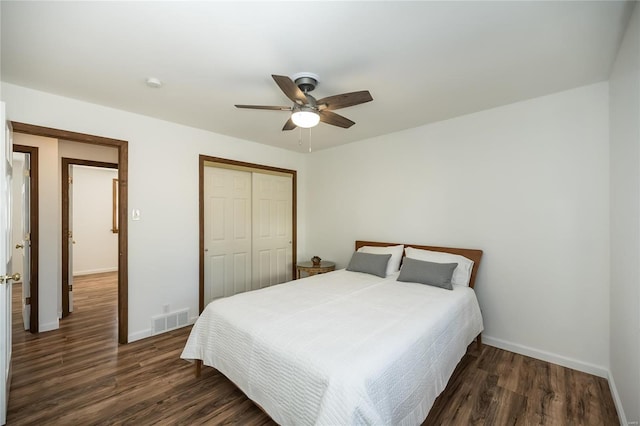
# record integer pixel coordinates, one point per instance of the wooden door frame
(202, 160)
(34, 238)
(123, 186)
(66, 162)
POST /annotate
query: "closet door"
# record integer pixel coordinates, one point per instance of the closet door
(272, 229)
(227, 232)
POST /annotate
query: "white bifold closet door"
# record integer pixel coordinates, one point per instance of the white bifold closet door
(272, 231)
(248, 231)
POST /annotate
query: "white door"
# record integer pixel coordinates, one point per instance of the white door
(272, 229)
(227, 232)
(6, 250)
(26, 243)
(22, 232)
(71, 240)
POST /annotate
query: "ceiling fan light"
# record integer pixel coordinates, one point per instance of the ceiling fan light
(305, 118)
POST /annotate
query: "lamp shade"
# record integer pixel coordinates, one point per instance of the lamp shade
(305, 117)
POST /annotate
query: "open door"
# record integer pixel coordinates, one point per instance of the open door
(25, 232)
(6, 252)
(26, 243)
(67, 238)
(22, 232)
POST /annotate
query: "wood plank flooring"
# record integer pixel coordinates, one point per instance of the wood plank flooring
(79, 375)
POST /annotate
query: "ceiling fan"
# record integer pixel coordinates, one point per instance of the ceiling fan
(306, 110)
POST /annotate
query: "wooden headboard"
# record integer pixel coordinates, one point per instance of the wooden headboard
(472, 254)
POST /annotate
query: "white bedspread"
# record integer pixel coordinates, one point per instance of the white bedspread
(339, 348)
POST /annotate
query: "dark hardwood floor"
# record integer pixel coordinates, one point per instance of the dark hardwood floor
(79, 375)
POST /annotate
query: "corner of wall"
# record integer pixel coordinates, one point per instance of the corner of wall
(564, 361)
(616, 399)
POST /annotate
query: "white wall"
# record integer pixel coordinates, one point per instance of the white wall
(528, 183)
(97, 251)
(96, 246)
(49, 273)
(625, 222)
(163, 185)
(83, 151)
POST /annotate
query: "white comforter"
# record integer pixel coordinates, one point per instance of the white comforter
(339, 348)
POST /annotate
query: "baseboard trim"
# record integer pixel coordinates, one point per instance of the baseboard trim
(95, 271)
(49, 326)
(143, 334)
(139, 335)
(572, 363)
(616, 400)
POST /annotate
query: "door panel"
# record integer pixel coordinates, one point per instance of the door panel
(241, 273)
(214, 273)
(227, 232)
(283, 265)
(26, 231)
(26, 242)
(6, 251)
(19, 227)
(272, 237)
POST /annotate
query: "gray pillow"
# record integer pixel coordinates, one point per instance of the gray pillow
(374, 264)
(430, 273)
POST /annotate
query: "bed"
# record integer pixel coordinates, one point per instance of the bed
(345, 347)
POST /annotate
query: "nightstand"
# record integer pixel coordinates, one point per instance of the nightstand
(310, 269)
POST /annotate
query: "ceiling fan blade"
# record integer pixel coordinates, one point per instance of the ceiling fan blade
(274, 108)
(289, 125)
(335, 119)
(290, 89)
(345, 100)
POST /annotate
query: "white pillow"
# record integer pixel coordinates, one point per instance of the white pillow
(462, 273)
(396, 255)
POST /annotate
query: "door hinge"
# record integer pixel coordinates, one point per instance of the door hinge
(70, 180)
(27, 301)
(27, 173)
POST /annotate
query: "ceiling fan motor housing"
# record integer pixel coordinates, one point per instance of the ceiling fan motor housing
(306, 81)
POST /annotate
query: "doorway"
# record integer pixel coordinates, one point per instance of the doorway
(122, 199)
(102, 188)
(26, 229)
(269, 250)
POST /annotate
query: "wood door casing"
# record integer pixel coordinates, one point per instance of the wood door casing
(123, 206)
(66, 237)
(34, 212)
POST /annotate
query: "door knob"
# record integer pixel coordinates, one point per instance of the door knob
(19, 246)
(5, 278)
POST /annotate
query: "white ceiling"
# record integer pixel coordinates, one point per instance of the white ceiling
(421, 61)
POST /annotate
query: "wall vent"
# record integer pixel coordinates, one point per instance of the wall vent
(169, 321)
